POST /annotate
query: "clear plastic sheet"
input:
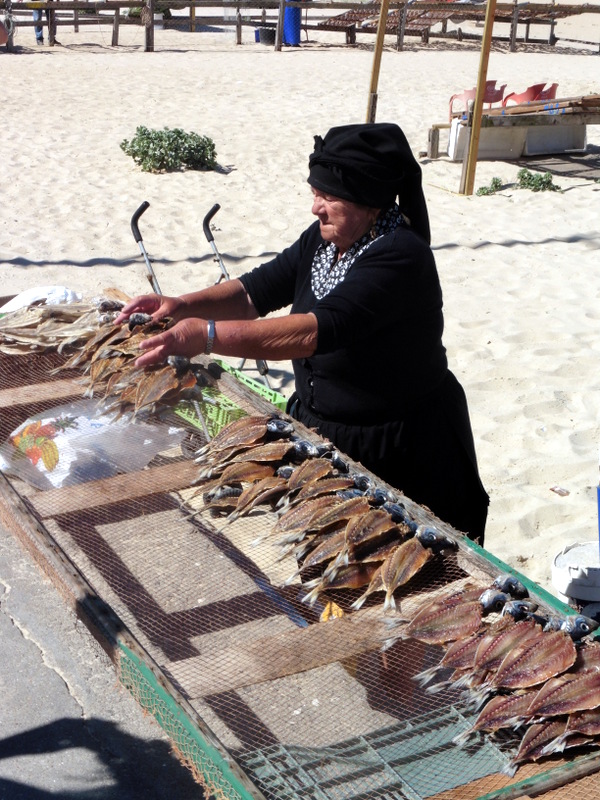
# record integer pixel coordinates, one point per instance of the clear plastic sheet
(76, 443)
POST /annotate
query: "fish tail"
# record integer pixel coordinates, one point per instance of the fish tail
(510, 769)
(389, 602)
(390, 642)
(462, 738)
(556, 745)
(358, 603)
(312, 596)
(424, 677)
(292, 577)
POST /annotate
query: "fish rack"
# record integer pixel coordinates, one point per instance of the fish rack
(259, 697)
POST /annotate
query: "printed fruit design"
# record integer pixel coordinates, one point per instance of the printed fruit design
(36, 441)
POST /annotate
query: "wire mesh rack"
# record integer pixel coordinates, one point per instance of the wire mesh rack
(260, 696)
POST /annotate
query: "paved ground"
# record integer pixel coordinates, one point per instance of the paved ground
(68, 730)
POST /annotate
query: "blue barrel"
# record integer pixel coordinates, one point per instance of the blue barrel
(291, 26)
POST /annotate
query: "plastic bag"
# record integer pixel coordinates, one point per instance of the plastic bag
(76, 443)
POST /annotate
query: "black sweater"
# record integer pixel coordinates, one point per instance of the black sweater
(379, 350)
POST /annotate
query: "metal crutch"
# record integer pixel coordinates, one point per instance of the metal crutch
(154, 283)
(138, 237)
(261, 364)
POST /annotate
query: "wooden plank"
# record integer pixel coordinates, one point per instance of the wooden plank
(38, 392)
(291, 652)
(114, 490)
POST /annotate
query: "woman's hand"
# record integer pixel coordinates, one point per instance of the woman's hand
(154, 304)
(186, 338)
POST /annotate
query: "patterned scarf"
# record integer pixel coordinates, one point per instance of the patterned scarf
(327, 272)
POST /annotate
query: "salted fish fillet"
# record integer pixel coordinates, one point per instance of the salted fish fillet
(537, 661)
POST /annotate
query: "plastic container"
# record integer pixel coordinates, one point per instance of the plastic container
(257, 387)
(576, 573)
(291, 26)
(266, 35)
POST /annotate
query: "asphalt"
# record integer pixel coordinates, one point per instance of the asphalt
(68, 729)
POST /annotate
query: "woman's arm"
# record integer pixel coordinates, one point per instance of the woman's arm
(226, 300)
(275, 339)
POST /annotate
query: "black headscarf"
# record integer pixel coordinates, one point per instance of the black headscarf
(372, 165)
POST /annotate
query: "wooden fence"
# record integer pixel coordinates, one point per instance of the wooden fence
(406, 17)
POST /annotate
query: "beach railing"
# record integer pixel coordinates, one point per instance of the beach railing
(405, 17)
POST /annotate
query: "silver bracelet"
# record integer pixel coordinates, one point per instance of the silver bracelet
(210, 337)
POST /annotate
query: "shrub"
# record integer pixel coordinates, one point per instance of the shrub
(495, 186)
(536, 182)
(168, 150)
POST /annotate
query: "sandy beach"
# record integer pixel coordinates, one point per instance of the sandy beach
(518, 269)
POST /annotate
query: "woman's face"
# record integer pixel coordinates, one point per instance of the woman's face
(342, 221)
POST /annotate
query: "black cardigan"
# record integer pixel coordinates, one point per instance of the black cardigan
(379, 348)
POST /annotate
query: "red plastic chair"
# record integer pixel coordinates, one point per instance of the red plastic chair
(492, 94)
(535, 92)
(549, 93)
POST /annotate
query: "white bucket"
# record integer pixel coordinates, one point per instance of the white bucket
(576, 572)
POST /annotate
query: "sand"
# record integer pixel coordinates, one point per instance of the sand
(518, 269)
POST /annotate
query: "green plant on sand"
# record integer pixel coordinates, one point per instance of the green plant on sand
(536, 182)
(170, 149)
(495, 186)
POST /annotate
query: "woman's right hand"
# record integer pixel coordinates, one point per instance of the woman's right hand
(158, 306)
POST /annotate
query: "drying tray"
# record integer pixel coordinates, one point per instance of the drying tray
(259, 697)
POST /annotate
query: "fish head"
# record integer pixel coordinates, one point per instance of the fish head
(493, 601)
(434, 539)
(304, 449)
(138, 319)
(380, 496)
(180, 364)
(519, 609)
(348, 494)
(362, 482)
(278, 428)
(323, 448)
(578, 626)
(337, 462)
(510, 585)
(285, 471)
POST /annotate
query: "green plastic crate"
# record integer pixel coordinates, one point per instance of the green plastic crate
(257, 387)
(216, 414)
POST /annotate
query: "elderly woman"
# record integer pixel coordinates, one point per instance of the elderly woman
(364, 331)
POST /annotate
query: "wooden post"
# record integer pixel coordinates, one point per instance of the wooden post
(51, 27)
(149, 46)
(76, 21)
(481, 79)
(238, 26)
(279, 29)
(192, 18)
(513, 29)
(115, 31)
(402, 28)
(372, 104)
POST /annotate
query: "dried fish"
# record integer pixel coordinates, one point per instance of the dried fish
(399, 567)
(353, 576)
(240, 432)
(566, 694)
(501, 711)
(267, 489)
(246, 472)
(535, 742)
(538, 660)
(316, 487)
